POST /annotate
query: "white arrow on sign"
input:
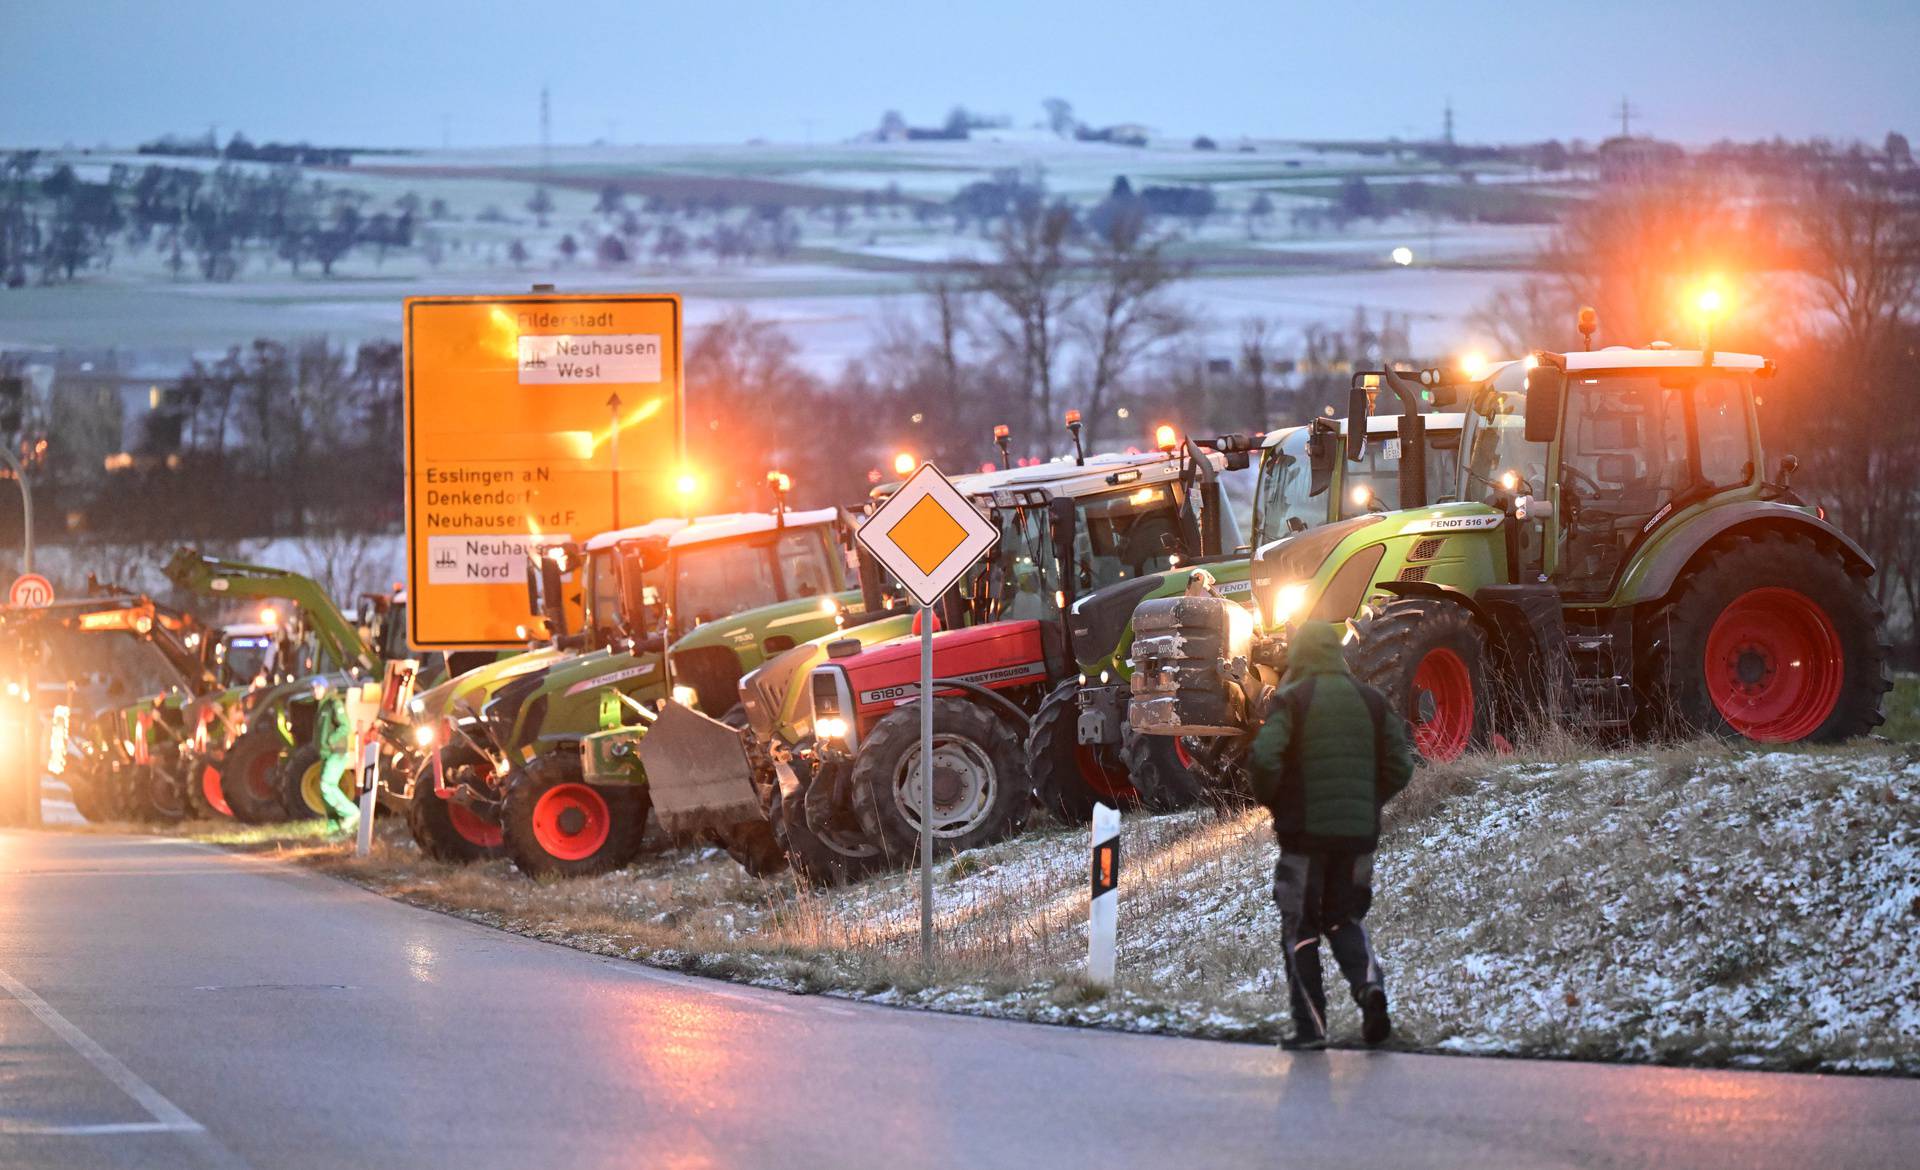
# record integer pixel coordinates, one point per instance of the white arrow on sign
(928, 535)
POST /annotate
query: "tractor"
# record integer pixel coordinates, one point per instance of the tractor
(1302, 484)
(846, 755)
(269, 771)
(119, 759)
(1617, 563)
(663, 619)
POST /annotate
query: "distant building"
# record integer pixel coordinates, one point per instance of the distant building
(1625, 159)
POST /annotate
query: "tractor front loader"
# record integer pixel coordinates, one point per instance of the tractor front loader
(270, 771)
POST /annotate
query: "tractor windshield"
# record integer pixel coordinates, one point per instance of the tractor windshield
(1283, 503)
(711, 581)
(246, 656)
(1496, 439)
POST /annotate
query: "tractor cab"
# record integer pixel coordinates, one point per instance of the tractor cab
(1607, 446)
(1303, 483)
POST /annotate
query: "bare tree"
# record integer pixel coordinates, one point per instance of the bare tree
(1126, 311)
(1030, 280)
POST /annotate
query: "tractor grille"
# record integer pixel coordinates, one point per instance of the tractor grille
(1414, 573)
(1427, 549)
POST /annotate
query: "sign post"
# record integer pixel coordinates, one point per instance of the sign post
(1103, 927)
(927, 535)
(519, 412)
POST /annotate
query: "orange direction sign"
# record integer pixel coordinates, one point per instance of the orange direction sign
(927, 535)
(529, 419)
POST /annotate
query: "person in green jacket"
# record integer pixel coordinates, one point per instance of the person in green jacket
(335, 740)
(1324, 763)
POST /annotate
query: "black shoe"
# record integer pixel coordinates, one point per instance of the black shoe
(1375, 1027)
(1304, 1040)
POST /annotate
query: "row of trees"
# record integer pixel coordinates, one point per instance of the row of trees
(55, 225)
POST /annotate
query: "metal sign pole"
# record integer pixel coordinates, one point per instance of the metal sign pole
(926, 785)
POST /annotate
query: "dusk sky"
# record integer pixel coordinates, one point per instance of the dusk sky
(384, 72)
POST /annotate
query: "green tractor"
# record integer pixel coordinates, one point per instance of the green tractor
(671, 609)
(1302, 484)
(1617, 564)
(268, 772)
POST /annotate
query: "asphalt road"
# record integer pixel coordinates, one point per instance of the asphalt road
(168, 1005)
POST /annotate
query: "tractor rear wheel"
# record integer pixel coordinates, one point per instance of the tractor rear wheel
(201, 787)
(1769, 639)
(299, 782)
(1068, 776)
(1162, 770)
(981, 793)
(246, 779)
(558, 825)
(838, 852)
(447, 830)
(1429, 658)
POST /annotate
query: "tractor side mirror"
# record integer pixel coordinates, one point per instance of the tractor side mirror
(1546, 387)
(1065, 526)
(1357, 406)
(1320, 454)
(1788, 465)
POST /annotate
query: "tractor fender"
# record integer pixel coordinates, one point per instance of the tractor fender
(1652, 575)
(1525, 626)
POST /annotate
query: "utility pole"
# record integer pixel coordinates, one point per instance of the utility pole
(546, 134)
(1446, 132)
(1626, 118)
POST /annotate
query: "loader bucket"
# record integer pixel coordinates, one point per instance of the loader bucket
(698, 772)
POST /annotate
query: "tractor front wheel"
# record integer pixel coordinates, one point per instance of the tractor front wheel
(205, 801)
(836, 853)
(246, 779)
(1429, 658)
(558, 825)
(981, 793)
(1163, 771)
(448, 830)
(1070, 777)
(1770, 639)
(299, 784)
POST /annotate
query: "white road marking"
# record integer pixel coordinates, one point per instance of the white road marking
(170, 1117)
(103, 1129)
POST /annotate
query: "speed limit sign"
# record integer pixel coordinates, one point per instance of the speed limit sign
(30, 590)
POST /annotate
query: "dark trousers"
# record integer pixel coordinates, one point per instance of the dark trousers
(1324, 893)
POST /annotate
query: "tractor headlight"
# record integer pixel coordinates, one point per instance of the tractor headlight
(686, 696)
(830, 727)
(1287, 601)
(425, 735)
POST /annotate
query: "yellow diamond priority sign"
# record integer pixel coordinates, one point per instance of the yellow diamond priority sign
(927, 534)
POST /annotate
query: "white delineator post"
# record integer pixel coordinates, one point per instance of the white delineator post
(1104, 926)
(369, 784)
(926, 785)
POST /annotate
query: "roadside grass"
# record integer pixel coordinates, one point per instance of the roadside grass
(1694, 904)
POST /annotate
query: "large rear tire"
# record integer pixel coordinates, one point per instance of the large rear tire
(1769, 639)
(299, 782)
(981, 793)
(558, 825)
(447, 830)
(1070, 777)
(155, 796)
(246, 779)
(1428, 657)
(839, 852)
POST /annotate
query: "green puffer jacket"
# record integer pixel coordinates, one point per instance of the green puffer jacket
(331, 733)
(1327, 718)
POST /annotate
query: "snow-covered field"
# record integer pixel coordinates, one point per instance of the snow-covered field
(835, 293)
(1696, 905)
